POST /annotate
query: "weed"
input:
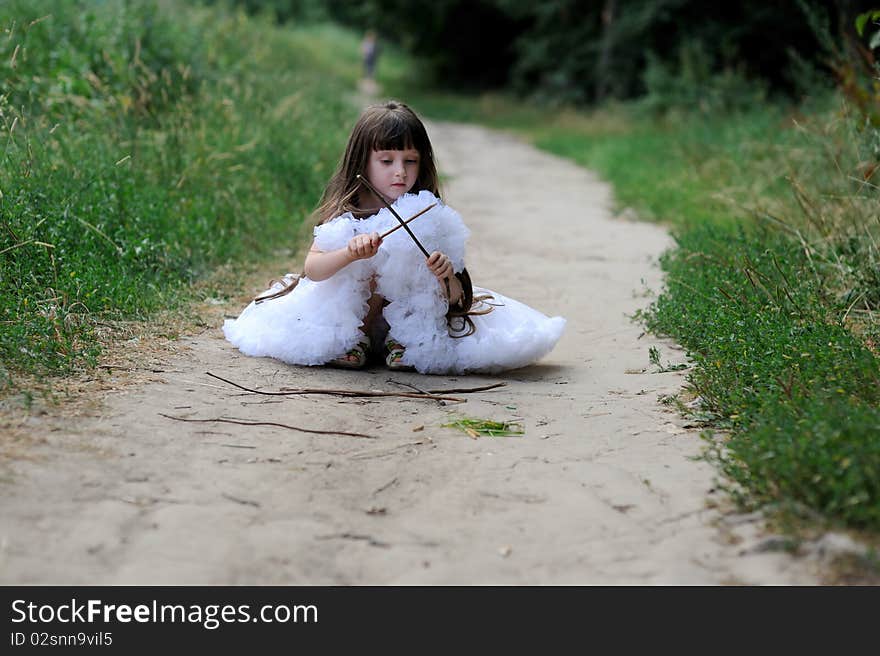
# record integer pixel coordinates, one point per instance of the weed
(477, 427)
(654, 357)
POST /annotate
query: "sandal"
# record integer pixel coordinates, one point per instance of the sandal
(395, 353)
(355, 357)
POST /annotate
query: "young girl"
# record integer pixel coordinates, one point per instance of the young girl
(360, 293)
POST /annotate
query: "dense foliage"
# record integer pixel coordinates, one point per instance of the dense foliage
(774, 363)
(143, 145)
(584, 51)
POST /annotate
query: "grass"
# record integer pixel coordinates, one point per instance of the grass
(772, 286)
(144, 145)
(486, 427)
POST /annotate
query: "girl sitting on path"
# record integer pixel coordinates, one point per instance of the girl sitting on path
(361, 293)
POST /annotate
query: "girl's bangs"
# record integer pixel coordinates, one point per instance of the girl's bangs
(395, 133)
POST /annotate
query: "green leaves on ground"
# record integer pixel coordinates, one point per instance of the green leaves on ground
(487, 427)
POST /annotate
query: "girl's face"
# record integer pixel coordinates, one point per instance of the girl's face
(393, 172)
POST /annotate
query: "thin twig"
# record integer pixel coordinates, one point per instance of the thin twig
(98, 232)
(19, 245)
(386, 486)
(195, 382)
(415, 239)
(339, 392)
(25, 243)
(412, 387)
(270, 423)
(244, 502)
(464, 390)
(391, 209)
(413, 217)
(385, 452)
(852, 305)
(373, 542)
(373, 393)
(453, 390)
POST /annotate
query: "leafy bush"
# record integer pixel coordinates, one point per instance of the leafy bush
(822, 456)
(695, 84)
(581, 52)
(774, 363)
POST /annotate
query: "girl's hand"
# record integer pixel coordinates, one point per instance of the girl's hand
(362, 247)
(440, 265)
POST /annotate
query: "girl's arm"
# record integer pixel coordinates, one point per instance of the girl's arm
(320, 265)
(441, 266)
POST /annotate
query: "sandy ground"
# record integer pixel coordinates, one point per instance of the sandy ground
(601, 488)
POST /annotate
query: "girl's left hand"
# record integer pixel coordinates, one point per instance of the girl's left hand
(440, 265)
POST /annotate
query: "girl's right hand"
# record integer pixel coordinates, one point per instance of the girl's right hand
(362, 247)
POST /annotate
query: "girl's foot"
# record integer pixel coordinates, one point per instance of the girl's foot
(356, 357)
(395, 353)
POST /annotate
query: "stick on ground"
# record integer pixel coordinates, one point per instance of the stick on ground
(339, 392)
(270, 423)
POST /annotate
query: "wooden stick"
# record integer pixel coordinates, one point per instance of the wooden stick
(453, 390)
(244, 502)
(339, 392)
(366, 183)
(462, 390)
(288, 287)
(270, 423)
(414, 216)
(403, 225)
(412, 387)
(371, 393)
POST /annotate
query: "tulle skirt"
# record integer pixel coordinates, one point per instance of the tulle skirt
(319, 321)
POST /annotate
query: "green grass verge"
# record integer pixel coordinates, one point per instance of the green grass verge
(143, 145)
(774, 364)
(774, 259)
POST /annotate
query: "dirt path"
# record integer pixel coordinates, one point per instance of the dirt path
(600, 489)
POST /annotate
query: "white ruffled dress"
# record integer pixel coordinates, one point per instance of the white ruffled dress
(319, 321)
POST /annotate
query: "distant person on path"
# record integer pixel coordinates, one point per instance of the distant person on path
(367, 290)
(370, 53)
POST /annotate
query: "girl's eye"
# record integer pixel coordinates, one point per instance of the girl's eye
(385, 161)
(412, 161)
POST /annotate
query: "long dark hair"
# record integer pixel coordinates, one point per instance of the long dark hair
(388, 126)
